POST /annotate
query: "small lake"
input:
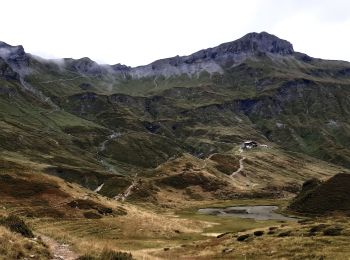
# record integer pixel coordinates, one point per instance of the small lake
(253, 212)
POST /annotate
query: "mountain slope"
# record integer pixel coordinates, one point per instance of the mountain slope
(62, 114)
(324, 198)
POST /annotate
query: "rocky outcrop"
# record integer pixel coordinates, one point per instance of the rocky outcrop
(211, 60)
(84, 66)
(14, 56)
(324, 198)
(216, 59)
(7, 72)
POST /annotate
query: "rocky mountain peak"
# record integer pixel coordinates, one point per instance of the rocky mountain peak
(85, 66)
(217, 58)
(14, 55)
(262, 42)
(246, 46)
(211, 60)
(120, 68)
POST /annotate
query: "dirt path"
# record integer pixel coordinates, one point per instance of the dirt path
(241, 167)
(58, 250)
(206, 160)
(61, 80)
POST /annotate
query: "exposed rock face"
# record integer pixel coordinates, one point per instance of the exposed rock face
(263, 42)
(7, 72)
(14, 55)
(120, 68)
(211, 60)
(84, 66)
(217, 58)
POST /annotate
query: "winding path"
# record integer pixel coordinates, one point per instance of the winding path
(61, 80)
(241, 167)
(58, 250)
(206, 160)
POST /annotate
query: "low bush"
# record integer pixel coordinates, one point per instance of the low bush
(243, 237)
(317, 228)
(285, 233)
(15, 224)
(108, 255)
(89, 204)
(258, 233)
(92, 215)
(332, 231)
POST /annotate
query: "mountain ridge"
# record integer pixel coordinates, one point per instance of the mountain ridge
(234, 51)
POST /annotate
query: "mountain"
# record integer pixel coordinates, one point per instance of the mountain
(216, 59)
(96, 155)
(177, 123)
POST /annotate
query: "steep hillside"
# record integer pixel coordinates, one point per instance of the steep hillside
(321, 198)
(100, 124)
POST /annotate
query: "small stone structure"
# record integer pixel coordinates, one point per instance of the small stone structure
(249, 145)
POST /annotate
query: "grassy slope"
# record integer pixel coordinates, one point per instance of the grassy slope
(14, 246)
(201, 116)
(331, 195)
(300, 243)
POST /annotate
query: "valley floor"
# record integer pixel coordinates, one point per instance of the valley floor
(74, 221)
(185, 234)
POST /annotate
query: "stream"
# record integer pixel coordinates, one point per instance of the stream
(102, 148)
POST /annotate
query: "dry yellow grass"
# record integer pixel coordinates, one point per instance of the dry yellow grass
(147, 229)
(14, 246)
(300, 243)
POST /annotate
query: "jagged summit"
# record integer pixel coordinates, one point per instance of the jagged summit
(14, 55)
(211, 60)
(84, 65)
(248, 44)
(217, 58)
(263, 42)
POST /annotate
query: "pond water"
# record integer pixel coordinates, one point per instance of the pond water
(254, 212)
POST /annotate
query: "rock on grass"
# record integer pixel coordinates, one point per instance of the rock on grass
(243, 237)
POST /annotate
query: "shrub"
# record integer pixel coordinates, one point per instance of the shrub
(108, 255)
(89, 204)
(332, 231)
(258, 233)
(92, 215)
(113, 255)
(243, 237)
(285, 234)
(317, 228)
(15, 224)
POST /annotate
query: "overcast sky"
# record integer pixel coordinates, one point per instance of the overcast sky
(137, 32)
